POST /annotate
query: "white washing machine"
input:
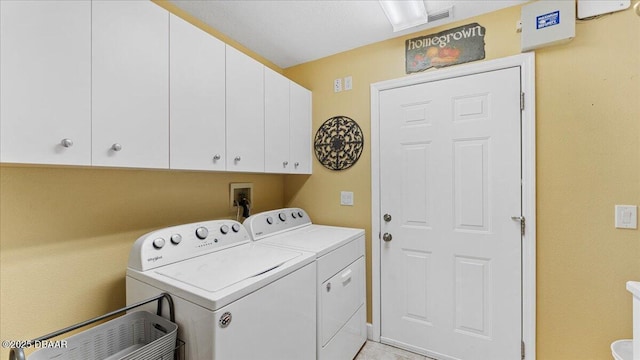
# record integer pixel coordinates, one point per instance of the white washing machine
(234, 298)
(340, 281)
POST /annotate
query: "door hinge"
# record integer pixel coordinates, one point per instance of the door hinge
(522, 223)
(522, 349)
(521, 101)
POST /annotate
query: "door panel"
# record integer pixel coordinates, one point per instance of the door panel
(450, 178)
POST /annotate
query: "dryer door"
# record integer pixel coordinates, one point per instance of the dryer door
(340, 298)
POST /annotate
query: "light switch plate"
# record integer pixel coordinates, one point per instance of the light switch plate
(626, 216)
(346, 198)
(348, 83)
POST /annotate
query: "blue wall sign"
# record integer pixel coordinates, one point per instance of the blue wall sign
(547, 20)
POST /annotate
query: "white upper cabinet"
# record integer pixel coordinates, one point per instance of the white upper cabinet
(197, 98)
(45, 82)
(126, 84)
(276, 123)
(245, 112)
(287, 125)
(130, 99)
(300, 129)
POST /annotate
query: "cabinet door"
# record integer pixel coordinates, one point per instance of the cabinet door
(300, 120)
(45, 82)
(130, 99)
(276, 123)
(197, 98)
(245, 112)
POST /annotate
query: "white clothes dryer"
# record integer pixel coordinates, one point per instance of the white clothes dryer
(234, 298)
(340, 281)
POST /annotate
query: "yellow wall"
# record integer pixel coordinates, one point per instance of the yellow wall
(588, 118)
(65, 234)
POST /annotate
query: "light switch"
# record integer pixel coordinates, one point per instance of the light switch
(348, 83)
(346, 198)
(626, 216)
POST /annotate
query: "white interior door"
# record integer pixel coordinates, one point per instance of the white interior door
(450, 178)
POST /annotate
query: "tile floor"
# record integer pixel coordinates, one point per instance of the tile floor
(376, 351)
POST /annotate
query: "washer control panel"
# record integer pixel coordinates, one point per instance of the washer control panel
(181, 242)
(274, 222)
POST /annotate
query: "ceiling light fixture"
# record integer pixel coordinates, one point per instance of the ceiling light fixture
(404, 14)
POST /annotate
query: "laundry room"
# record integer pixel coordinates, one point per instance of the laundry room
(67, 228)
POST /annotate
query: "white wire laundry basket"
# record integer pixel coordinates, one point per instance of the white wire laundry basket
(139, 335)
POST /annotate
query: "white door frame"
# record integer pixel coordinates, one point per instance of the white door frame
(526, 62)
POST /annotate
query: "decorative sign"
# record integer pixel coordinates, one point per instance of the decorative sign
(450, 47)
(339, 143)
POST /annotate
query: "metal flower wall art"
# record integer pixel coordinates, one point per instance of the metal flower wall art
(338, 143)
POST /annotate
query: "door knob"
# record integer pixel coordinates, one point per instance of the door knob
(387, 217)
(387, 237)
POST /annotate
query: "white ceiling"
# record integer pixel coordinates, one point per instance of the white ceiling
(292, 32)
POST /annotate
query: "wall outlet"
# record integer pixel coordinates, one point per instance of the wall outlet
(337, 85)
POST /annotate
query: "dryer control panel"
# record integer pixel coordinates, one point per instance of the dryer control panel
(274, 222)
(181, 242)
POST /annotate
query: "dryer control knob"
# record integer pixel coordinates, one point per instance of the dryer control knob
(294, 215)
(158, 243)
(282, 216)
(202, 233)
(235, 227)
(300, 215)
(269, 220)
(224, 229)
(176, 238)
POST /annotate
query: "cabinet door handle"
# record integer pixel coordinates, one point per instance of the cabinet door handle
(66, 143)
(285, 163)
(237, 158)
(216, 157)
(116, 147)
(296, 164)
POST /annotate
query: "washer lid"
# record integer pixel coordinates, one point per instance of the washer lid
(216, 271)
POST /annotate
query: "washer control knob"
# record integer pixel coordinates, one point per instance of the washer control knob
(300, 214)
(176, 238)
(282, 216)
(269, 220)
(158, 243)
(202, 233)
(235, 227)
(224, 229)
(294, 215)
